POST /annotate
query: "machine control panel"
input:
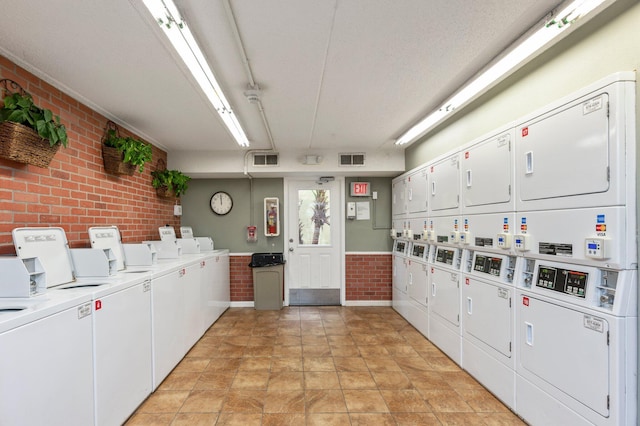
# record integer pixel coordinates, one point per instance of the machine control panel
(400, 246)
(418, 250)
(504, 241)
(597, 248)
(445, 256)
(488, 265)
(563, 280)
(521, 242)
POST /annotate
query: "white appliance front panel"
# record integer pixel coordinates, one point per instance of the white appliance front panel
(418, 226)
(418, 316)
(168, 324)
(487, 175)
(398, 196)
(444, 295)
(122, 341)
(483, 231)
(400, 273)
(417, 281)
(416, 188)
(46, 371)
(444, 230)
(550, 237)
(191, 282)
(575, 153)
(566, 348)
(487, 314)
(444, 186)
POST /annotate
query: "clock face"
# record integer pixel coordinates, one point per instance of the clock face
(221, 203)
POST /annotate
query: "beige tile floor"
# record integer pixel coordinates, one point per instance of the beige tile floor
(318, 366)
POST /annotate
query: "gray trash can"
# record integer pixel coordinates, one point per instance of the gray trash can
(268, 280)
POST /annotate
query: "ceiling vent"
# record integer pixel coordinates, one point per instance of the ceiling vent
(352, 159)
(265, 159)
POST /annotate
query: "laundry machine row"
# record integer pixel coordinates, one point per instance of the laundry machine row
(71, 345)
(532, 264)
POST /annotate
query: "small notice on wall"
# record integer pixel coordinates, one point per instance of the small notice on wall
(362, 210)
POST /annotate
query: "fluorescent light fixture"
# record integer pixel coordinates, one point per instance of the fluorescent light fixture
(509, 62)
(175, 28)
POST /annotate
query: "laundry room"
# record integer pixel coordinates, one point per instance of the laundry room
(472, 232)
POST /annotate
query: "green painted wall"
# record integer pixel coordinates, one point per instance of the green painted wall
(373, 234)
(230, 231)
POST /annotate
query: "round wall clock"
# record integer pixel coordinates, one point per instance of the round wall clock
(221, 203)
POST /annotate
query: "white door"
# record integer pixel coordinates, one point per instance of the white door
(314, 242)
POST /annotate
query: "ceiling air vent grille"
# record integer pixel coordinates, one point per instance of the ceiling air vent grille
(265, 159)
(352, 159)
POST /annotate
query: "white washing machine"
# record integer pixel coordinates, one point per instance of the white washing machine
(46, 361)
(417, 286)
(488, 322)
(121, 322)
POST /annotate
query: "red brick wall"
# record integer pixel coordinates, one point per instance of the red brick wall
(75, 193)
(241, 278)
(368, 277)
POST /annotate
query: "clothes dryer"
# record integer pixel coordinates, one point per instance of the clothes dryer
(488, 322)
(417, 287)
(576, 344)
(46, 360)
(400, 299)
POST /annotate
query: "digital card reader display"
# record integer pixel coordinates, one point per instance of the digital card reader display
(445, 256)
(417, 250)
(563, 280)
(488, 265)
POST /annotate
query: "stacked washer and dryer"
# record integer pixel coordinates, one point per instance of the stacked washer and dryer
(532, 264)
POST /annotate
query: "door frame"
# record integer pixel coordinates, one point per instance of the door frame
(341, 240)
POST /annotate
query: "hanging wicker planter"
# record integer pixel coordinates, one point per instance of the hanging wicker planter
(114, 158)
(21, 143)
(168, 183)
(165, 192)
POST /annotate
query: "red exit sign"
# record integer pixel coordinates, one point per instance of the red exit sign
(360, 189)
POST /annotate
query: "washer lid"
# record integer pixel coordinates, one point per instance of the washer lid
(186, 232)
(108, 237)
(51, 247)
(167, 233)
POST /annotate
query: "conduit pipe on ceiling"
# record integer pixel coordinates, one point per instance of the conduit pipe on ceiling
(245, 62)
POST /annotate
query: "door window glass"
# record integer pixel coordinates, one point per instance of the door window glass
(313, 217)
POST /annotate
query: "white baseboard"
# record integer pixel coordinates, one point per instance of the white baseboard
(367, 303)
(246, 304)
(249, 304)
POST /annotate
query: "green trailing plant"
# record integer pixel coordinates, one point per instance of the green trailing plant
(135, 151)
(19, 108)
(174, 180)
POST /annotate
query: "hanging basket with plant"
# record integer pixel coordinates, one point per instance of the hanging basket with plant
(122, 155)
(169, 183)
(28, 134)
